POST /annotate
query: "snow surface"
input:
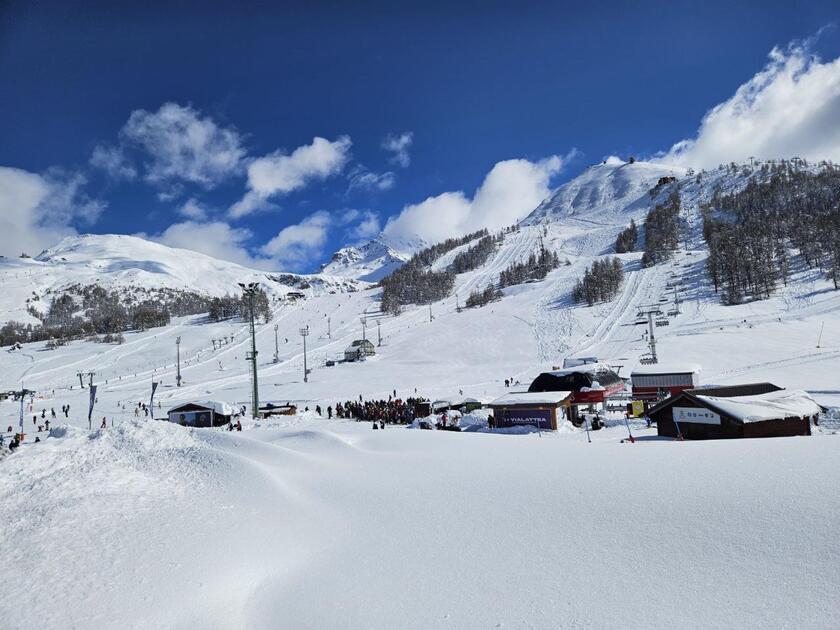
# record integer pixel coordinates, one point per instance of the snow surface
(315, 524)
(303, 522)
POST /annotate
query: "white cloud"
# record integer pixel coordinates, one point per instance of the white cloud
(179, 144)
(399, 145)
(113, 161)
(363, 179)
(38, 210)
(278, 174)
(361, 224)
(299, 244)
(193, 210)
(511, 190)
(791, 108)
(214, 238)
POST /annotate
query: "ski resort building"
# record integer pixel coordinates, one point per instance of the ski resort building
(464, 405)
(753, 410)
(655, 382)
(202, 414)
(270, 409)
(545, 410)
(358, 350)
(589, 383)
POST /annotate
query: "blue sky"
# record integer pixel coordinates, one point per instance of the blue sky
(196, 123)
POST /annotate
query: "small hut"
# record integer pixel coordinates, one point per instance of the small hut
(715, 413)
(658, 381)
(358, 350)
(539, 409)
(270, 409)
(464, 405)
(211, 413)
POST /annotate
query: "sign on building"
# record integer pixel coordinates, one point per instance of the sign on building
(695, 415)
(534, 417)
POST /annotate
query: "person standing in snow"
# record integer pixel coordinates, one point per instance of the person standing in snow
(43, 413)
(329, 412)
(104, 423)
(136, 412)
(318, 409)
(52, 412)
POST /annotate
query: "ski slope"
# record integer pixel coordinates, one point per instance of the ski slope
(308, 523)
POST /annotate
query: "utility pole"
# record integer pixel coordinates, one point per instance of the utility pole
(363, 319)
(90, 377)
(304, 332)
(178, 371)
(214, 343)
(276, 345)
(329, 329)
(431, 317)
(457, 304)
(81, 376)
(819, 341)
(250, 290)
(378, 333)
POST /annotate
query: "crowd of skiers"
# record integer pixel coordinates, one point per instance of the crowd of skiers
(392, 411)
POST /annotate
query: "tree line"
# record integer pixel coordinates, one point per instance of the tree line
(416, 283)
(230, 306)
(480, 297)
(476, 255)
(627, 239)
(600, 283)
(94, 312)
(662, 231)
(754, 235)
(536, 267)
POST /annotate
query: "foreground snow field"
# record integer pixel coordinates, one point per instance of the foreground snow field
(315, 524)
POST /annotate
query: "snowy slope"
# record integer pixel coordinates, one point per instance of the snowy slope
(120, 261)
(609, 190)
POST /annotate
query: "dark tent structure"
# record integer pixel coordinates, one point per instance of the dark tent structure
(590, 383)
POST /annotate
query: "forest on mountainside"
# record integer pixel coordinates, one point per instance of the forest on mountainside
(753, 234)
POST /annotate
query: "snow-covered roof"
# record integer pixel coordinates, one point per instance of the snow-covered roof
(219, 407)
(781, 404)
(667, 368)
(532, 398)
(454, 402)
(586, 368)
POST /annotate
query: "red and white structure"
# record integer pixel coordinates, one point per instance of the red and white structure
(658, 381)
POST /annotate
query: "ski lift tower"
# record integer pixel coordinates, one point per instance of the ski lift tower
(650, 312)
(250, 290)
(178, 371)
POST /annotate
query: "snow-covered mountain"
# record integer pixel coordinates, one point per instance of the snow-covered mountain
(609, 189)
(369, 262)
(115, 261)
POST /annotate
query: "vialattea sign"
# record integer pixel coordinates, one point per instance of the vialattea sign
(519, 417)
